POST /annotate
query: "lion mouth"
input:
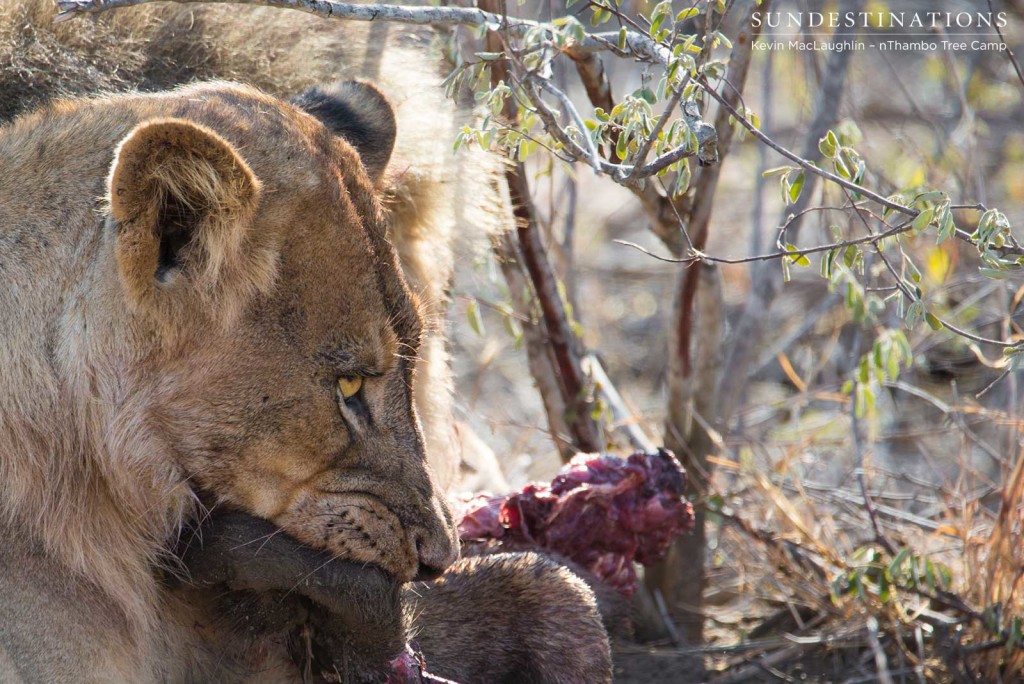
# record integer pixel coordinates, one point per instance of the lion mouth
(425, 571)
(353, 526)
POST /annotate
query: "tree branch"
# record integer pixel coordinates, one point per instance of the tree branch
(584, 431)
(637, 44)
(538, 353)
(565, 357)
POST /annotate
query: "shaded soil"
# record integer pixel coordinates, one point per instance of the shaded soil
(636, 664)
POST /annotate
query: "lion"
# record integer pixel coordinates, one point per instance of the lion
(206, 312)
(218, 303)
(233, 325)
(435, 200)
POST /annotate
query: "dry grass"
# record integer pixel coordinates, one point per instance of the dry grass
(823, 584)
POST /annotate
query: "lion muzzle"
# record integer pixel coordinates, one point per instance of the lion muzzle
(362, 528)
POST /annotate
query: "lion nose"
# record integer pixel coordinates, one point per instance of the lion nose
(436, 553)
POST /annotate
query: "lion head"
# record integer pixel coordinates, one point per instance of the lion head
(229, 324)
(283, 384)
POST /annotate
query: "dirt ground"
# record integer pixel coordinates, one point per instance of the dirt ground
(634, 664)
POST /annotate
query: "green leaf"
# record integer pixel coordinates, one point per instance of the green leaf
(827, 263)
(864, 401)
(863, 371)
(473, 317)
(857, 582)
(849, 164)
(892, 365)
(687, 13)
(915, 272)
(999, 273)
(600, 16)
(512, 326)
(922, 220)
(896, 566)
(828, 145)
(777, 171)
(656, 25)
(682, 183)
(884, 589)
(929, 574)
(841, 168)
(647, 95)
(931, 196)
(934, 322)
(490, 56)
(947, 227)
(622, 38)
(850, 256)
(984, 224)
(622, 145)
(902, 345)
(895, 199)
(836, 589)
(798, 259)
(720, 37)
(795, 187)
(915, 314)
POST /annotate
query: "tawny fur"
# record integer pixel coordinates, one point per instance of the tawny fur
(209, 180)
(127, 394)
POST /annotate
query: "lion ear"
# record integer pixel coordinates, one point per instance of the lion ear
(183, 200)
(360, 114)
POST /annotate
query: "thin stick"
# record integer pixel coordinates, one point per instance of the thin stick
(1009, 52)
(637, 44)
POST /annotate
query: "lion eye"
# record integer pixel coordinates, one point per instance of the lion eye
(349, 387)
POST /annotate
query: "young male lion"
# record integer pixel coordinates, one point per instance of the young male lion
(203, 311)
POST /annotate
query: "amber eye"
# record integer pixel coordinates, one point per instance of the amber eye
(349, 387)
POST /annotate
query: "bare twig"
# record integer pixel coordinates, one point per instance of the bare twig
(881, 663)
(1009, 52)
(623, 419)
(591, 156)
